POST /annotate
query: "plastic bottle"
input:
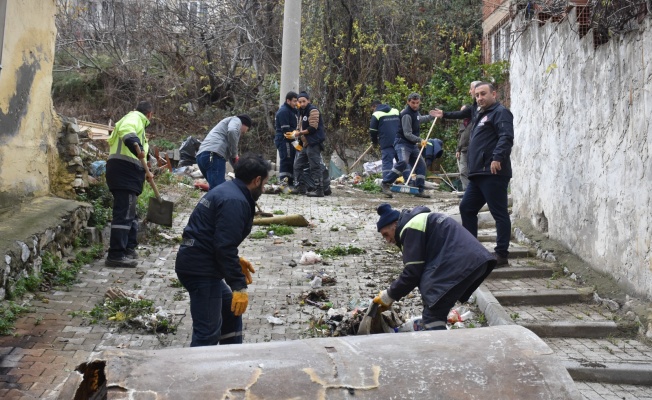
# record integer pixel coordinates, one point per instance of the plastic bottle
(411, 325)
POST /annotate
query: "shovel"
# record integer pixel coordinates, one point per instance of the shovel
(367, 320)
(159, 211)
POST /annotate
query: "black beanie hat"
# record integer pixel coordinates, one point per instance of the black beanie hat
(387, 215)
(303, 94)
(245, 119)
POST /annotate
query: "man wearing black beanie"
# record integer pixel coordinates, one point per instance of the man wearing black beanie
(440, 257)
(312, 134)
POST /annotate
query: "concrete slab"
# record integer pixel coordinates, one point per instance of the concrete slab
(575, 329)
(520, 273)
(543, 297)
(438, 365)
(610, 372)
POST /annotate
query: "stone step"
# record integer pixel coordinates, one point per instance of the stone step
(541, 297)
(487, 238)
(520, 273)
(610, 372)
(577, 329)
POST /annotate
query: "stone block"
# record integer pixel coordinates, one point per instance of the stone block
(72, 138)
(72, 150)
(92, 235)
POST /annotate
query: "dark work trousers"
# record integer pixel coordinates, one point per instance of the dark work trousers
(213, 322)
(310, 156)
(408, 153)
(213, 167)
(286, 153)
(492, 190)
(388, 155)
(124, 225)
(435, 317)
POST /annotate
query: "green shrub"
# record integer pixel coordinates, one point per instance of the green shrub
(8, 315)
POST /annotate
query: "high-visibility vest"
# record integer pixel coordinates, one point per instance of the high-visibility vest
(131, 125)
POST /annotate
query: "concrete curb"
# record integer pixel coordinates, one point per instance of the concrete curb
(520, 273)
(614, 373)
(574, 329)
(550, 297)
(491, 308)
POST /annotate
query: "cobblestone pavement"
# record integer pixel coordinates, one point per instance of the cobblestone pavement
(49, 343)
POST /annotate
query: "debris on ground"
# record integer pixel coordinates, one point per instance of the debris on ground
(310, 258)
(274, 320)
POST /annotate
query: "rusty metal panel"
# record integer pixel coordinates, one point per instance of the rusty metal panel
(505, 362)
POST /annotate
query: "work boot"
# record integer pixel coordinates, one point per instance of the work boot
(501, 261)
(318, 192)
(386, 189)
(301, 189)
(131, 254)
(123, 262)
(422, 195)
(328, 192)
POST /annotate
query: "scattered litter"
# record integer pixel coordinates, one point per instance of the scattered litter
(411, 325)
(316, 282)
(292, 263)
(310, 258)
(274, 320)
(459, 314)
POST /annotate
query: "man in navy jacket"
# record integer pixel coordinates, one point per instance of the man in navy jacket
(286, 122)
(439, 256)
(208, 264)
(383, 126)
(489, 166)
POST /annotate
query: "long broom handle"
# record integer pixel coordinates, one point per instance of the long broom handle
(420, 151)
(151, 183)
(360, 158)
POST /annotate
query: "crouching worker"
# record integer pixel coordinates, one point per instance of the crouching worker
(440, 257)
(208, 264)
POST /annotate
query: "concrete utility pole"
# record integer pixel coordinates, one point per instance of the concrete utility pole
(291, 48)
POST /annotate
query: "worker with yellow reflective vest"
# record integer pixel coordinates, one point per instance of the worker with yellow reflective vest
(125, 177)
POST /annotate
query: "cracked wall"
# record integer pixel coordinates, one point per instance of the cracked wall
(28, 125)
(581, 154)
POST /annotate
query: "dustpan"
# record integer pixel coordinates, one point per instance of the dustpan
(159, 211)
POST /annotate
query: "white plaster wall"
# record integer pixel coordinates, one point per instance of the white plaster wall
(583, 144)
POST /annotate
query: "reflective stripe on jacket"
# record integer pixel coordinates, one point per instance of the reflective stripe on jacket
(384, 124)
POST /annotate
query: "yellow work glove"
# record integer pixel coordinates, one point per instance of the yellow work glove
(289, 135)
(247, 269)
(423, 143)
(239, 302)
(297, 145)
(383, 300)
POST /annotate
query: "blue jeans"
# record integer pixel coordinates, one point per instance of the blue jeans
(124, 225)
(492, 190)
(213, 322)
(213, 168)
(408, 153)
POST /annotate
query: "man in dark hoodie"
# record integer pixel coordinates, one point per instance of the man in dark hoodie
(440, 257)
(384, 124)
(208, 264)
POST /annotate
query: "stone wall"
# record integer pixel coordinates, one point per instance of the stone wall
(583, 143)
(28, 124)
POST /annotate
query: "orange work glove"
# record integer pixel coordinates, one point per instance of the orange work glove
(383, 300)
(423, 143)
(239, 302)
(290, 135)
(247, 269)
